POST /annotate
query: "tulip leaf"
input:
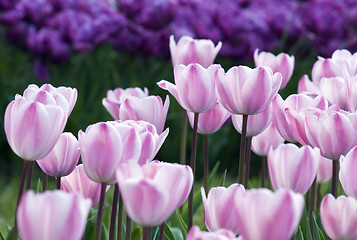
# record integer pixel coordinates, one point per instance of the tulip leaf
(176, 232)
(177, 221)
(135, 234)
(9, 233)
(167, 233)
(308, 231)
(213, 174)
(223, 180)
(1, 237)
(197, 201)
(39, 186)
(317, 231)
(298, 234)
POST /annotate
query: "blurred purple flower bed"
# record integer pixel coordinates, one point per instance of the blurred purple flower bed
(52, 30)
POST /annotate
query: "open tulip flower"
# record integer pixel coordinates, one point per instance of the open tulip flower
(282, 63)
(55, 215)
(222, 234)
(116, 97)
(339, 217)
(63, 158)
(195, 87)
(348, 168)
(151, 193)
(264, 215)
(189, 50)
(292, 167)
(149, 109)
(218, 207)
(243, 90)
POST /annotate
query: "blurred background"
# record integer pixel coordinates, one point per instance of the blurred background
(97, 45)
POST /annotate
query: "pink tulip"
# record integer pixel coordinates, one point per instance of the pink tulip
(151, 141)
(149, 109)
(325, 68)
(348, 168)
(335, 90)
(292, 167)
(222, 234)
(211, 121)
(270, 137)
(324, 170)
(195, 87)
(296, 103)
(64, 97)
(339, 217)
(32, 128)
(106, 144)
(78, 182)
(264, 215)
(306, 86)
(151, 193)
(116, 97)
(63, 158)
(256, 123)
(54, 215)
(188, 50)
(218, 207)
(282, 63)
(243, 90)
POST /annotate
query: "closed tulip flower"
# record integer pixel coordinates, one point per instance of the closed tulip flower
(211, 121)
(324, 170)
(256, 123)
(151, 193)
(32, 128)
(243, 90)
(189, 50)
(195, 87)
(266, 215)
(78, 182)
(218, 208)
(222, 234)
(149, 109)
(282, 63)
(339, 217)
(55, 215)
(348, 168)
(63, 158)
(116, 97)
(325, 68)
(292, 167)
(270, 137)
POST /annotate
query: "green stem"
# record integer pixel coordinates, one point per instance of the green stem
(311, 206)
(120, 219)
(44, 181)
(98, 226)
(183, 138)
(128, 228)
(318, 198)
(58, 182)
(247, 162)
(29, 176)
(146, 233)
(242, 149)
(113, 216)
(335, 167)
(206, 163)
(264, 166)
(193, 166)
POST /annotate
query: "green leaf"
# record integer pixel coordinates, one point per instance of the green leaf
(135, 234)
(308, 231)
(213, 174)
(317, 231)
(177, 221)
(39, 186)
(1, 237)
(168, 235)
(223, 180)
(197, 201)
(298, 234)
(9, 233)
(176, 232)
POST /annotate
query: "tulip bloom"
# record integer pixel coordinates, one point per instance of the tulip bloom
(292, 167)
(195, 87)
(78, 182)
(339, 217)
(264, 215)
(218, 207)
(149, 109)
(222, 234)
(348, 168)
(32, 128)
(324, 170)
(211, 121)
(189, 50)
(282, 63)
(63, 158)
(53, 215)
(256, 123)
(270, 137)
(151, 193)
(247, 91)
(115, 98)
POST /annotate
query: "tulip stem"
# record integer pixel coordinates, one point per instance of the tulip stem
(318, 198)
(113, 216)
(206, 163)
(247, 162)
(146, 233)
(19, 195)
(193, 166)
(128, 228)
(29, 176)
(44, 181)
(334, 178)
(264, 166)
(183, 138)
(120, 219)
(311, 206)
(58, 182)
(242, 149)
(98, 226)
(161, 231)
